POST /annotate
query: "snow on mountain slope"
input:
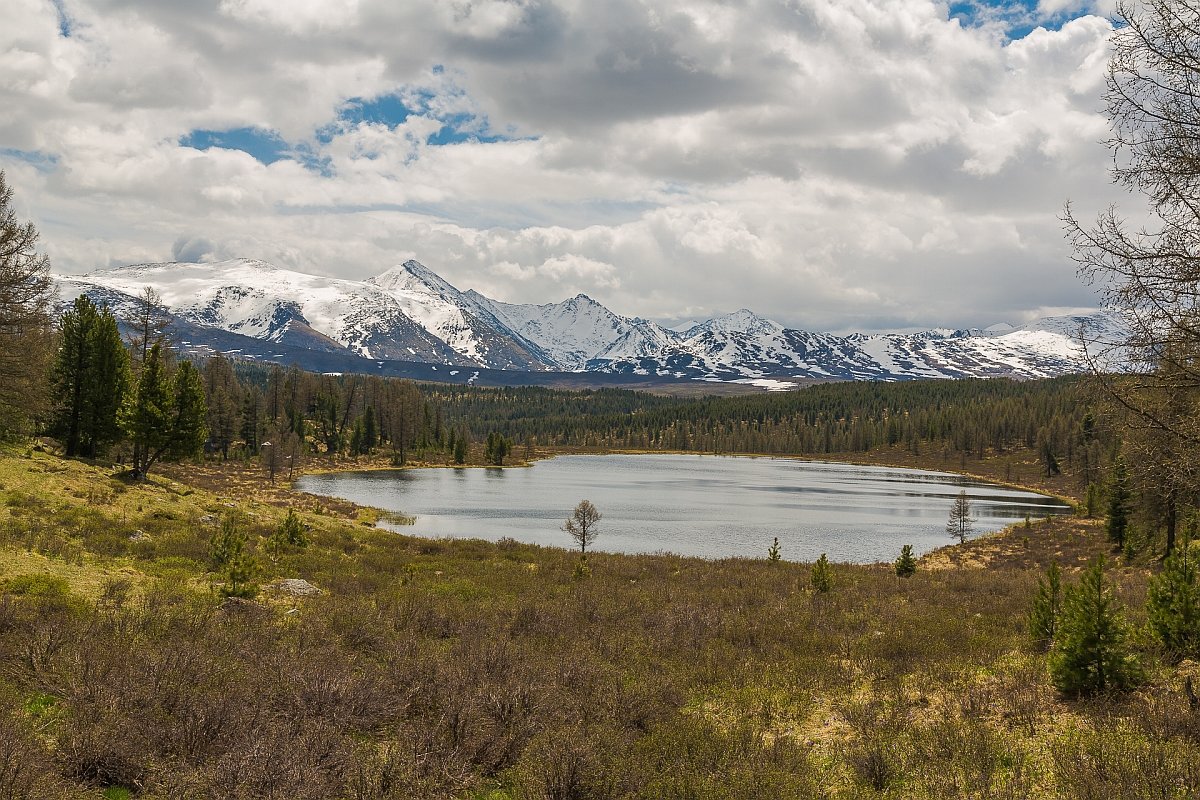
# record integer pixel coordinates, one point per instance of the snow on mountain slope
(257, 299)
(579, 332)
(409, 313)
(468, 326)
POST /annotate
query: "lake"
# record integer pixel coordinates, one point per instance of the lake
(708, 506)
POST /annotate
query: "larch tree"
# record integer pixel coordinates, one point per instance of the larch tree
(1149, 269)
(960, 522)
(25, 331)
(583, 524)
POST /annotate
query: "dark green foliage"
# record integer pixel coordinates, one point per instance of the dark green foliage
(1092, 499)
(773, 552)
(1091, 650)
(1120, 499)
(496, 448)
(460, 448)
(1173, 605)
(1047, 605)
(164, 417)
(821, 576)
(906, 563)
(89, 379)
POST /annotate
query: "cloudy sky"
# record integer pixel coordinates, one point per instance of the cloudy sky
(832, 164)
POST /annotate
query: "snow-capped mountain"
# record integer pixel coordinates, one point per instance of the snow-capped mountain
(580, 333)
(409, 314)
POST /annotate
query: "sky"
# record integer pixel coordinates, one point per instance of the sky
(835, 165)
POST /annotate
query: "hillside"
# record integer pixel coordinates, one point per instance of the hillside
(468, 670)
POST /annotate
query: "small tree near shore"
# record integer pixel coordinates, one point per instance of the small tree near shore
(582, 525)
(961, 523)
(906, 564)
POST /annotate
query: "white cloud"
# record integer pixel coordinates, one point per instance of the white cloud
(859, 163)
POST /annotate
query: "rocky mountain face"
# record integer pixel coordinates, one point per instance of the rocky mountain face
(409, 314)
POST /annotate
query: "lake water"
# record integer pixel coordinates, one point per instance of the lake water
(709, 506)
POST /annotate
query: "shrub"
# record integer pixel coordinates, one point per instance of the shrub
(42, 586)
(822, 575)
(906, 564)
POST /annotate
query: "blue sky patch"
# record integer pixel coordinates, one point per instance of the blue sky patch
(64, 22)
(1017, 17)
(264, 145)
(43, 162)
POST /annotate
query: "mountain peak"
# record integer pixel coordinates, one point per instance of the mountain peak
(411, 274)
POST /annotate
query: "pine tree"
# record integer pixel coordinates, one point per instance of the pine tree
(229, 559)
(1120, 498)
(290, 533)
(370, 432)
(822, 575)
(90, 376)
(1047, 605)
(1091, 652)
(773, 552)
(960, 522)
(906, 564)
(1173, 605)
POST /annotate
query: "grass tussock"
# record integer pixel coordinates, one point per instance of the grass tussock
(465, 669)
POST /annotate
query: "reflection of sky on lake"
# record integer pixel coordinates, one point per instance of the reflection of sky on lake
(711, 506)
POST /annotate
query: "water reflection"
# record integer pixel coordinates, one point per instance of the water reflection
(710, 506)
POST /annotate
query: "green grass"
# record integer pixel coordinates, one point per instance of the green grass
(466, 669)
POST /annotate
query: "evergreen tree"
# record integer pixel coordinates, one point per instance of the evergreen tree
(290, 533)
(822, 575)
(496, 448)
(906, 564)
(960, 523)
(1047, 605)
(164, 417)
(189, 424)
(773, 552)
(1120, 499)
(229, 559)
(460, 448)
(90, 377)
(1173, 605)
(1091, 652)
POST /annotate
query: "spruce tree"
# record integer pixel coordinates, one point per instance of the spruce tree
(1173, 605)
(773, 552)
(1120, 498)
(1091, 652)
(1047, 605)
(229, 559)
(189, 428)
(906, 564)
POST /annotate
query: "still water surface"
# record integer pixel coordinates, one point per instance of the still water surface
(709, 506)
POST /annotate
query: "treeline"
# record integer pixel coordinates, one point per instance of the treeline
(967, 416)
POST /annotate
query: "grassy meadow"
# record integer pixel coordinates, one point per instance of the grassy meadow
(464, 669)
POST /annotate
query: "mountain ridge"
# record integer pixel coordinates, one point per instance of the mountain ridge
(409, 313)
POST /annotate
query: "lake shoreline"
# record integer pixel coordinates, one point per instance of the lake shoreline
(853, 511)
